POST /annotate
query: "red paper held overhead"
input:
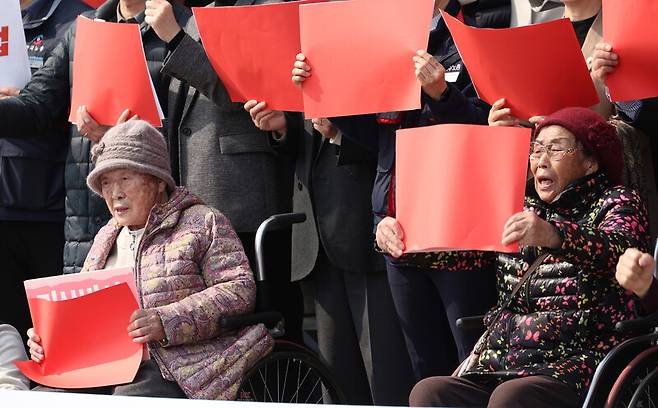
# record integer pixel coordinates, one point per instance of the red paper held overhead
(631, 30)
(359, 63)
(457, 185)
(252, 49)
(538, 69)
(85, 340)
(110, 73)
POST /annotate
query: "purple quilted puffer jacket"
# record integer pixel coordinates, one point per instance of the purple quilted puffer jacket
(191, 268)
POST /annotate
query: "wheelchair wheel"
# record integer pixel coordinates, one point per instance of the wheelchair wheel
(290, 374)
(637, 385)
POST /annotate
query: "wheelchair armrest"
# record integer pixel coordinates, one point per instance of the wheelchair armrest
(641, 324)
(269, 319)
(470, 322)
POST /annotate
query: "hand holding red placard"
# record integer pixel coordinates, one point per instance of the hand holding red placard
(110, 73)
(504, 63)
(457, 185)
(631, 30)
(89, 313)
(350, 45)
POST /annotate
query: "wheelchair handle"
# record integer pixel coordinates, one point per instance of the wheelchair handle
(470, 322)
(278, 221)
(270, 319)
(640, 324)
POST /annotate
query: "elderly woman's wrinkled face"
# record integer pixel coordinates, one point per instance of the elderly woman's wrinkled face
(130, 195)
(556, 160)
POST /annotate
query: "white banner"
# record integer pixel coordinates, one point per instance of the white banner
(14, 65)
(12, 399)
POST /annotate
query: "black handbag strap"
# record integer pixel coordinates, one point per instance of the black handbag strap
(528, 273)
(481, 343)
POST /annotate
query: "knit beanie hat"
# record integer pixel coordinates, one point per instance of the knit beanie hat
(596, 135)
(133, 145)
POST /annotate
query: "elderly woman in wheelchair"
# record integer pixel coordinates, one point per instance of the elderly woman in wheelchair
(190, 270)
(559, 300)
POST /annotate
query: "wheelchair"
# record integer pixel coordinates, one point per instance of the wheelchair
(627, 377)
(291, 373)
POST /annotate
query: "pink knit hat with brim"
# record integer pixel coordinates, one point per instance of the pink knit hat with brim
(133, 145)
(596, 135)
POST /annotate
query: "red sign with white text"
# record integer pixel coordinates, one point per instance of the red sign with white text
(14, 64)
(4, 41)
(82, 320)
(85, 340)
(71, 286)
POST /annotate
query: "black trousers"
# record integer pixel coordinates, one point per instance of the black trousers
(286, 297)
(534, 391)
(28, 250)
(428, 302)
(359, 335)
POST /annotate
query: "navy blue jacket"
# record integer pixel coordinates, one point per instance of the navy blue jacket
(32, 170)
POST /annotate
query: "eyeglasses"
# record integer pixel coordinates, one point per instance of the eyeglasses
(554, 152)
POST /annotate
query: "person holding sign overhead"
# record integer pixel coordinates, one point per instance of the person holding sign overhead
(558, 300)
(430, 290)
(333, 254)
(219, 154)
(641, 114)
(586, 17)
(190, 270)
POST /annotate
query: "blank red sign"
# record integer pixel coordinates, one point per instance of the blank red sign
(538, 69)
(457, 185)
(110, 73)
(630, 28)
(360, 53)
(252, 49)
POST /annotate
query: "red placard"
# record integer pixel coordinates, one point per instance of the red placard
(360, 53)
(4, 41)
(85, 340)
(630, 29)
(457, 185)
(93, 3)
(71, 286)
(110, 73)
(252, 49)
(538, 69)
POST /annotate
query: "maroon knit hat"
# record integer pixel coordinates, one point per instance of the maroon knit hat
(596, 135)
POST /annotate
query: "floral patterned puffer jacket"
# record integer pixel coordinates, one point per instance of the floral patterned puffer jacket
(561, 323)
(192, 269)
